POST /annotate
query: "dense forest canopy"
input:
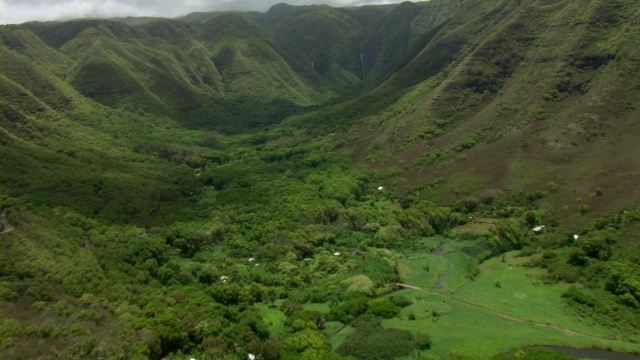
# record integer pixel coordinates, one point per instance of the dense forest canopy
(451, 179)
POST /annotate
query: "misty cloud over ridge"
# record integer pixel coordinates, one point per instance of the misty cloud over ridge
(19, 11)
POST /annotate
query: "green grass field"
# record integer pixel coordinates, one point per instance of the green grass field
(507, 306)
(449, 261)
(413, 270)
(272, 316)
(480, 334)
(322, 307)
(338, 339)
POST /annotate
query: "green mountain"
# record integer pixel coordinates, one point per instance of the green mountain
(200, 73)
(451, 179)
(525, 89)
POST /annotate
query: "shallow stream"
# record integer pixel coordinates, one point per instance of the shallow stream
(439, 252)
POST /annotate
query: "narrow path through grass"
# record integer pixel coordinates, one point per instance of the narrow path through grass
(511, 317)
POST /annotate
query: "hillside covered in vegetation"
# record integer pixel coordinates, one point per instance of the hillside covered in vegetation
(451, 179)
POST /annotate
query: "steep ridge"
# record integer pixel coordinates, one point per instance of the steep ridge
(385, 41)
(205, 72)
(199, 73)
(447, 83)
(255, 64)
(322, 35)
(548, 85)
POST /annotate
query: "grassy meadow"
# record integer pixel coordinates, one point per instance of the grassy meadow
(505, 307)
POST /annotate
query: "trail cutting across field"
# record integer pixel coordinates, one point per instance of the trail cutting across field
(511, 317)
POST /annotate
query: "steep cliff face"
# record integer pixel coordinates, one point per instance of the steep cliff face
(516, 97)
(195, 72)
(188, 68)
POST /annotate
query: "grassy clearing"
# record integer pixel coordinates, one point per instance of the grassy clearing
(323, 307)
(480, 334)
(272, 316)
(425, 269)
(458, 272)
(506, 287)
(414, 273)
(517, 291)
(338, 339)
(478, 226)
(331, 327)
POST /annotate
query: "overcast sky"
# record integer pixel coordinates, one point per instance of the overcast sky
(19, 11)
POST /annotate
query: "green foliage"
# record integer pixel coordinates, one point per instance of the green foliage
(510, 234)
(378, 269)
(423, 341)
(428, 158)
(597, 248)
(361, 284)
(289, 307)
(472, 269)
(388, 236)
(473, 140)
(371, 342)
(469, 204)
(346, 311)
(624, 281)
(303, 341)
(574, 294)
(232, 293)
(400, 301)
(577, 257)
(383, 308)
(584, 208)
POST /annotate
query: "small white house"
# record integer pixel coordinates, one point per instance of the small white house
(224, 279)
(380, 188)
(539, 229)
(336, 254)
(252, 259)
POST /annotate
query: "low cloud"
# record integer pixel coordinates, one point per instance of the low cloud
(19, 11)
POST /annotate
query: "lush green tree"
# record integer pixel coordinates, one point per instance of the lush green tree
(510, 234)
(577, 257)
(360, 283)
(624, 281)
(383, 308)
(389, 236)
(303, 340)
(401, 301)
(597, 248)
(347, 310)
(423, 340)
(378, 343)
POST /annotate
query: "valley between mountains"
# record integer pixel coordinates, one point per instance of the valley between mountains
(448, 179)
